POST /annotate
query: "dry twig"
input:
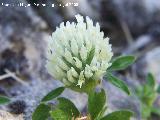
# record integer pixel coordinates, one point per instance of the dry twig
(12, 75)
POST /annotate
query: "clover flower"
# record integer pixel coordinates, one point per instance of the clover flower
(78, 52)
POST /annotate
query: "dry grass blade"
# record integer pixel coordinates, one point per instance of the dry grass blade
(12, 75)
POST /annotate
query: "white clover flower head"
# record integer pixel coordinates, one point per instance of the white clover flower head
(78, 52)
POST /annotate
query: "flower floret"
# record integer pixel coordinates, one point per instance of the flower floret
(78, 52)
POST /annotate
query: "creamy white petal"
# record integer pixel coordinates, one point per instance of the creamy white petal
(68, 56)
(74, 47)
(66, 82)
(78, 63)
(83, 53)
(74, 73)
(62, 64)
(88, 71)
(70, 77)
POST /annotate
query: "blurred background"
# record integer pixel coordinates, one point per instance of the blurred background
(133, 27)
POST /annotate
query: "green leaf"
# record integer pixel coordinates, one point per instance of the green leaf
(41, 112)
(117, 82)
(53, 94)
(145, 111)
(118, 115)
(96, 102)
(59, 115)
(4, 100)
(155, 110)
(122, 62)
(101, 114)
(148, 95)
(68, 107)
(150, 80)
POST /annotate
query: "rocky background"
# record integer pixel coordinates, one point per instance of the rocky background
(132, 25)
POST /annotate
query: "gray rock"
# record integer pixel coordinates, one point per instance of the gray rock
(152, 5)
(22, 40)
